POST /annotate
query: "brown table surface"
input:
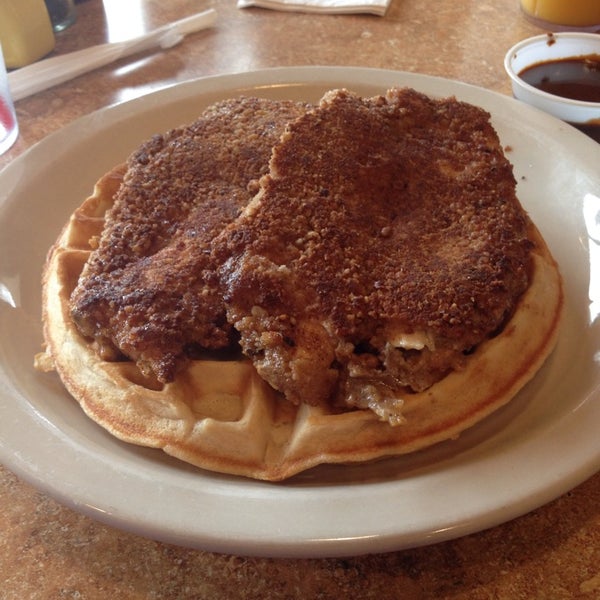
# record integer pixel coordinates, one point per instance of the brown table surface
(49, 551)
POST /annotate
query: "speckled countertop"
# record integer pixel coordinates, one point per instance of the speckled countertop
(50, 551)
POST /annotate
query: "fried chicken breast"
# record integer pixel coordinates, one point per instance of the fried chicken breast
(148, 292)
(383, 246)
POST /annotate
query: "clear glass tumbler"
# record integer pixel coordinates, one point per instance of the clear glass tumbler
(62, 13)
(9, 129)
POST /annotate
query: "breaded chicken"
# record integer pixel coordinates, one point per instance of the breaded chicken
(385, 243)
(149, 291)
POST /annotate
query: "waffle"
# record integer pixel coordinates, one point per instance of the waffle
(221, 416)
(217, 411)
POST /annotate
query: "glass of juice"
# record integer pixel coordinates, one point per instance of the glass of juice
(582, 15)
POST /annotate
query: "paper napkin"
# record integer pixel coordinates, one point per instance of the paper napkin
(375, 7)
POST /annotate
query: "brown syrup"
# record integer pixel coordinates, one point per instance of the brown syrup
(576, 78)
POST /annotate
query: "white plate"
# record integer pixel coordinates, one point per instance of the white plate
(541, 445)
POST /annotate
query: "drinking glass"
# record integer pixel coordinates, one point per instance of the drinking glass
(9, 129)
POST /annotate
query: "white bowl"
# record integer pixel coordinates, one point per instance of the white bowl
(547, 47)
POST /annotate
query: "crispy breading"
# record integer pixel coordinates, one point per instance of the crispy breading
(384, 245)
(149, 291)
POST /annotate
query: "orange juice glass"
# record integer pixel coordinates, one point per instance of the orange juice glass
(564, 14)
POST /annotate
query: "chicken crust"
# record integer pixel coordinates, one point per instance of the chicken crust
(384, 245)
(148, 291)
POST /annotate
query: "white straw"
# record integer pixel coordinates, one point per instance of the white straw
(52, 71)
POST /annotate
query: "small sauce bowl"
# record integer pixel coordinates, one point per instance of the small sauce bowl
(555, 47)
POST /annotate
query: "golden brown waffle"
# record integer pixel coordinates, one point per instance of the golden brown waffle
(220, 415)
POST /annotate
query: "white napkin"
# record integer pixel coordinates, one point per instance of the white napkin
(375, 7)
